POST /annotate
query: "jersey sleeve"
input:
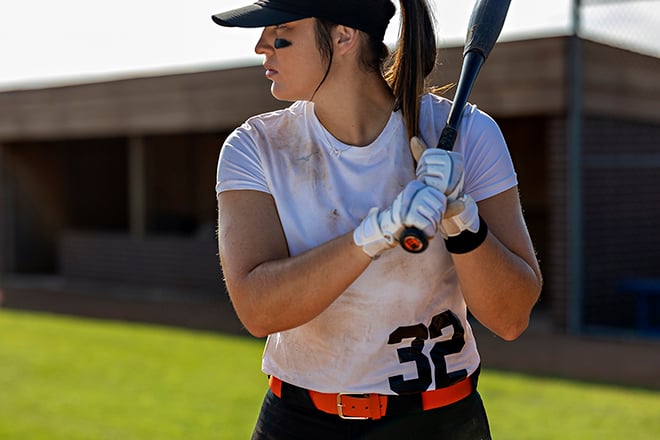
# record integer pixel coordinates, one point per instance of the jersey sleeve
(240, 165)
(489, 169)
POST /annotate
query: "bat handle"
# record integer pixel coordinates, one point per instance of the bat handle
(413, 240)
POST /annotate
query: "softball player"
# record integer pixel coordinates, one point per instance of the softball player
(366, 340)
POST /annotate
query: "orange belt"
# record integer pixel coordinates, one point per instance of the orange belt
(374, 406)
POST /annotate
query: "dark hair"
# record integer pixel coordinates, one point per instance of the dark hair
(374, 53)
(324, 44)
(412, 61)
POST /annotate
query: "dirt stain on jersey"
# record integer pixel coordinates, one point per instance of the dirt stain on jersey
(303, 156)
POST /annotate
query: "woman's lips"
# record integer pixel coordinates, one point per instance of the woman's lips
(270, 72)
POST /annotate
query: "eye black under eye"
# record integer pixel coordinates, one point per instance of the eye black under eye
(281, 43)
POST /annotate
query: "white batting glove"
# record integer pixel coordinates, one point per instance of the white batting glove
(465, 216)
(439, 168)
(418, 206)
(444, 170)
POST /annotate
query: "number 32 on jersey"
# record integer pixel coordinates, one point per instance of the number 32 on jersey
(421, 335)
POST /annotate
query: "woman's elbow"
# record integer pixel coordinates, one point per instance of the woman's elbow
(516, 325)
(252, 321)
(514, 329)
(247, 312)
(257, 332)
(252, 324)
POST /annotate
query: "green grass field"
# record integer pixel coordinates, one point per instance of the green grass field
(71, 378)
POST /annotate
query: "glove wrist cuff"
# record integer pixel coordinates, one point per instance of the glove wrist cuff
(369, 236)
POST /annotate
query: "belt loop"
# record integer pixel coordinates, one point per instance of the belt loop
(375, 405)
(275, 385)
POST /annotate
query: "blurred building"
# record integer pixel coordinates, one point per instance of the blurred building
(113, 182)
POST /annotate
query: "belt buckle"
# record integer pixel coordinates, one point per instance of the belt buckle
(340, 405)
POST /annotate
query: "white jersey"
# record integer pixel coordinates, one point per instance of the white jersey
(402, 325)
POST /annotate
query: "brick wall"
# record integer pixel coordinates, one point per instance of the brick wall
(621, 217)
(556, 269)
(621, 214)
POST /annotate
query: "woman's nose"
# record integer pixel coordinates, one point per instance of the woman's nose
(263, 45)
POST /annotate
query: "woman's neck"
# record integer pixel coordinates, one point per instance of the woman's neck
(355, 111)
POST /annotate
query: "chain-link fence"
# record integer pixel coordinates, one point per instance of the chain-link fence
(629, 24)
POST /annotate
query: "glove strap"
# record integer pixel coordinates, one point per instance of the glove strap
(369, 236)
(467, 241)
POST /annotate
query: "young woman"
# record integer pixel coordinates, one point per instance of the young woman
(366, 340)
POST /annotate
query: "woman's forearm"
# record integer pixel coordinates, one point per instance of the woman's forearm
(284, 293)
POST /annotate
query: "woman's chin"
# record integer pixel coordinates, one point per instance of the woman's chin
(282, 95)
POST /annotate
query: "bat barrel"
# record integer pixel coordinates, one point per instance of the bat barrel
(485, 25)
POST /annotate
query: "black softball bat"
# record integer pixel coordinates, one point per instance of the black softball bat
(485, 26)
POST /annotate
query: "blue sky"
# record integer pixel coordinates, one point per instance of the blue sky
(46, 42)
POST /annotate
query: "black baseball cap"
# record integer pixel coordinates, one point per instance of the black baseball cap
(370, 16)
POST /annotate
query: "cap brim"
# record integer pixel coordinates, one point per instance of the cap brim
(254, 16)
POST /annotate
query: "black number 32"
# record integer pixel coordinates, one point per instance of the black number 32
(419, 334)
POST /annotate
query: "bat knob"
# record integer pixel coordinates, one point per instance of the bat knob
(413, 240)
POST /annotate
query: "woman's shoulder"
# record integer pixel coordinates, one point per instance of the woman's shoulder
(276, 118)
(430, 98)
(436, 109)
(440, 105)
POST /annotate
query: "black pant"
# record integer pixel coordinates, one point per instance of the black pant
(288, 419)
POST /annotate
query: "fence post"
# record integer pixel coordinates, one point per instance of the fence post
(137, 186)
(574, 157)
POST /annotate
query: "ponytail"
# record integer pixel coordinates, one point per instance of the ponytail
(413, 60)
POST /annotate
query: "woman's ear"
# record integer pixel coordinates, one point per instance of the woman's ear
(345, 38)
